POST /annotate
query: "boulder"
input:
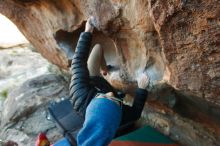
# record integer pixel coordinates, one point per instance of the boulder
(10, 35)
(25, 112)
(19, 64)
(28, 84)
(175, 42)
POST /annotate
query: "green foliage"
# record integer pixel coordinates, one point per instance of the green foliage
(3, 94)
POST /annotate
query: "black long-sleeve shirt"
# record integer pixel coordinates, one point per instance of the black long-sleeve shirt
(83, 88)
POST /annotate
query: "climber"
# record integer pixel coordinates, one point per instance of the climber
(98, 109)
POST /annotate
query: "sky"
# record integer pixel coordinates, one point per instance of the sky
(9, 33)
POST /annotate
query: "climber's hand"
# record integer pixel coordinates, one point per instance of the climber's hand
(143, 81)
(89, 26)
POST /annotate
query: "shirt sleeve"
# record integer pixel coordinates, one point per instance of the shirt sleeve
(133, 113)
(80, 88)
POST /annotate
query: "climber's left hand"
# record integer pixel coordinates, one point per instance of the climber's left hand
(89, 27)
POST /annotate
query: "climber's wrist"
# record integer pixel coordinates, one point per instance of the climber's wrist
(89, 30)
(89, 27)
(143, 81)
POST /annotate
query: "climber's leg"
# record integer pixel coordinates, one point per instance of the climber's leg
(96, 61)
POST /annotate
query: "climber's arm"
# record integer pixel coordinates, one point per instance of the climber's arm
(141, 95)
(80, 87)
(133, 113)
(139, 102)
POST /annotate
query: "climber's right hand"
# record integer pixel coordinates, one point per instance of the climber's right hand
(89, 27)
(143, 81)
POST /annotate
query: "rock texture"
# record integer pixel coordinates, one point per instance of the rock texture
(28, 84)
(16, 67)
(25, 113)
(189, 33)
(176, 42)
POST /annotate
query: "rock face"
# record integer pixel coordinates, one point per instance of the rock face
(175, 42)
(16, 67)
(190, 36)
(28, 84)
(25, 113)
